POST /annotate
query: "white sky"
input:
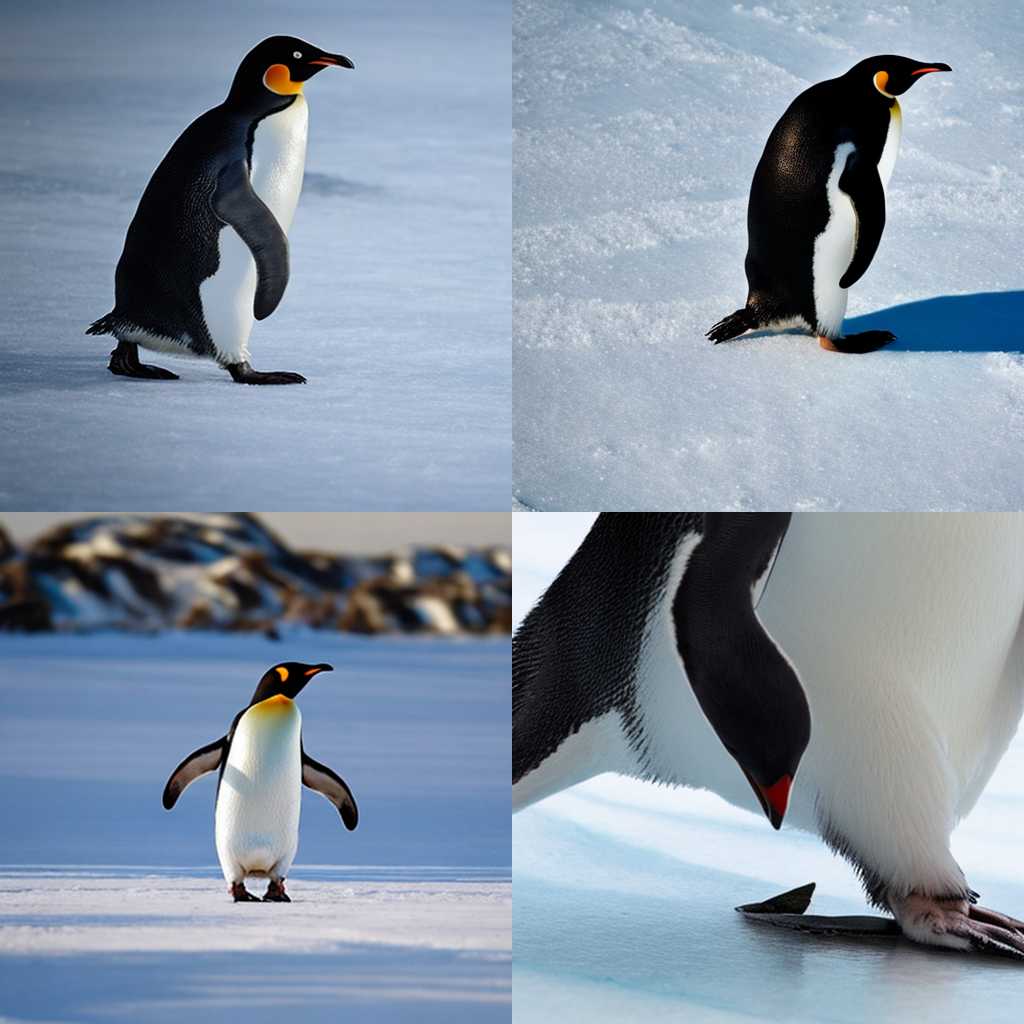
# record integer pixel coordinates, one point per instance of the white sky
(334, 531)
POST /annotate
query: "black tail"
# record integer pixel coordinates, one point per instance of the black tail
(105, 325)
(732, 326)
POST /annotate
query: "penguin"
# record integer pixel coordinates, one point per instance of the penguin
(207, 251)
(817, 203)
(262, 766)
(684, 589)
(904, 633)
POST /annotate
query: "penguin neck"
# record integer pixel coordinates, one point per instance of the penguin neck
(259, 104)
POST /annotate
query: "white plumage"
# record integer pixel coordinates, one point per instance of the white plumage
(257, 817)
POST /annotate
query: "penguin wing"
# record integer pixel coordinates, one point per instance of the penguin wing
(860, 181)
(235, 202)
(199, 762)
(319, 777)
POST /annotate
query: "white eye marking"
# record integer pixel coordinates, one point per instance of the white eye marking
(297, 55)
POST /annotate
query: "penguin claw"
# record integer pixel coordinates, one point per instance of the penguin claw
(124, 362)
(957, 924)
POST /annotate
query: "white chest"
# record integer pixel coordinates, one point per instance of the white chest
(261, 789)
(279, 159)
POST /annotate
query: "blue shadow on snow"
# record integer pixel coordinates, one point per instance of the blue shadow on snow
(980, 322)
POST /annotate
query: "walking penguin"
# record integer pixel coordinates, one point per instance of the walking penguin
(207, 251)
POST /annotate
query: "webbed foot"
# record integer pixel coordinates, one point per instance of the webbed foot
(241, 894)
(243, 373)
(957, 924)
(866, 341)
(124, 361)
(275, 893)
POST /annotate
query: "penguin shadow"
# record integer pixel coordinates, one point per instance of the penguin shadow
(978, 322)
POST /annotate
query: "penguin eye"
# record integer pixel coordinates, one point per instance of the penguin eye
(282, 672)
(297, 55)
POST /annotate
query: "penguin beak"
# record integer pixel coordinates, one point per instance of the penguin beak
(930, 68)
(318, 668)
(774, 799)
(333, 60)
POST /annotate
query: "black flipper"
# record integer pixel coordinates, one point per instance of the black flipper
(199, 762)
(860, 181)
(319, 777)
(237, 204)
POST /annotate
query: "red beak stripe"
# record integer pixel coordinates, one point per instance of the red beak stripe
(777, 795)
(924, 71)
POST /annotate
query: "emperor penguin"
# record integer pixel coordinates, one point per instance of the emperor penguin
(817, 203)
(262, 766)
(207, 251)
(674, 646)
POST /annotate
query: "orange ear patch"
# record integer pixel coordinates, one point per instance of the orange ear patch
(881, 81)
(277, 78)
(282, 672)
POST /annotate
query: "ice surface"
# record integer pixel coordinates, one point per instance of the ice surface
(638, 124)
(110, 907)
(624, 897)
(398, 307)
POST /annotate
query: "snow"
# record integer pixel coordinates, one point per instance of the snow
(398, 306)
(112, 908)
(624, 896)
(638, 124)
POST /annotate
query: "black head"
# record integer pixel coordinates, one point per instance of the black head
(280, 66)
(761, 717)
(286, 680)
(889, 75)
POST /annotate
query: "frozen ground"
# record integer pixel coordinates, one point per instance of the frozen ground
(397, 310)
(624, 896)
(638, 124)
(111, 908)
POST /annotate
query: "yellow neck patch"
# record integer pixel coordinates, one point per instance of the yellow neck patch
(278, 79)
(279, 700)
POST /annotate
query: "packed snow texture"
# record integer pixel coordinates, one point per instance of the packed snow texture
(624, 897)
(398, 306)
(638, 124)
(111, 907)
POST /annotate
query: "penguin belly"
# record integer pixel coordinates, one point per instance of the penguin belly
(278, 163)
(834, 249)
(905, 632)
(258, 802)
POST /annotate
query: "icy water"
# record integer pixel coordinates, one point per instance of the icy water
(397, 310)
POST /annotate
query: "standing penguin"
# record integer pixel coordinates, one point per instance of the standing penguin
(262, 767)
(207, 251)
(817, 203)
(905, 631)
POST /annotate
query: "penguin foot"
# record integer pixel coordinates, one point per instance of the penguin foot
(241, 894)
(275, 893)
(243, 373)
(957, 924)
(866, 341)
(731, 326)
(124, 361)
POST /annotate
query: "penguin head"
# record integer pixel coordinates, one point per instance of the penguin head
(890, 75)
(280, 66)
(764, 722)
(286, 680)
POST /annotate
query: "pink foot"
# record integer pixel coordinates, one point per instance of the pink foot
(956, 924)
